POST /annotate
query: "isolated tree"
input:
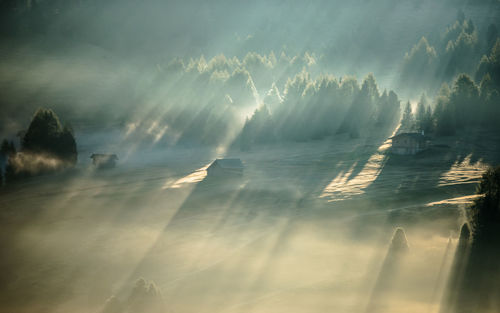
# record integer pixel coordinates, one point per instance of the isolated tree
(399, 243)
(396, 255)
(45, 135)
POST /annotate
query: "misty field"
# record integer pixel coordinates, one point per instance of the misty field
(306, 228)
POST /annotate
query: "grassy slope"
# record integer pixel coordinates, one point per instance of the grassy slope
(73, 239)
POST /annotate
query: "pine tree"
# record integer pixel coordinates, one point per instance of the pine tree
(407, 121)
(421, 113)
(428, 124)
(46, 135)
(7, 148)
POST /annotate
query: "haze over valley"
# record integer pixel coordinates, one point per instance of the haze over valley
(169, 156)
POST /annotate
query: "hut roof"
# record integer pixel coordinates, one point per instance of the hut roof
(416, 136)
(228, 163)
(104, 155)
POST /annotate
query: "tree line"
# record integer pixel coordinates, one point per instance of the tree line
(465, 104)
(315, 108)
(461, 48)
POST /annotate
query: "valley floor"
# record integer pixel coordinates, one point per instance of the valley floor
(306, 228)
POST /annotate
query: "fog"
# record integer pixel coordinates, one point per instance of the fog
(325, 216)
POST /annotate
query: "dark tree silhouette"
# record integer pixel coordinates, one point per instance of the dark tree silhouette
(487, 207)
(474, 286)
(407, 121)
(45, 141)
(463, 106)
(457, 271)
(7, 148)
(45, 135)
(490, 64)
(464, 98)
(491, 36)
(419, 64)
(385, 283)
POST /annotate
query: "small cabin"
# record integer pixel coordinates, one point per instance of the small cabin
(408, 143)
(101, 160)
(225, 167)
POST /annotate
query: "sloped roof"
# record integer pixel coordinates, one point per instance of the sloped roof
(104, 155)
(417, 136)
(229, 163)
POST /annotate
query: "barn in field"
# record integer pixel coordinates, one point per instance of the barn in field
(225, 167)
(102, 160)
(408, 143)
